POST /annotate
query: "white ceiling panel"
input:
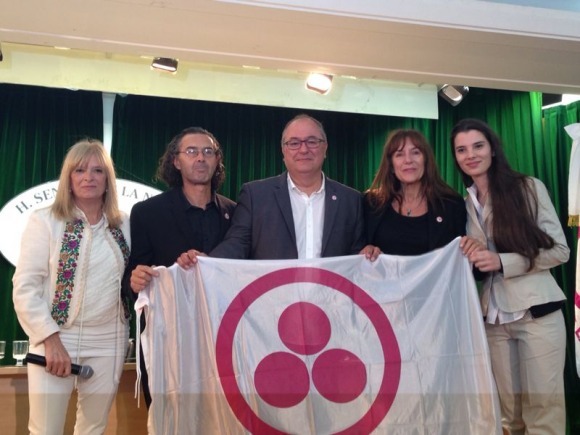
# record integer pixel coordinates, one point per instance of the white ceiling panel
(424, 43)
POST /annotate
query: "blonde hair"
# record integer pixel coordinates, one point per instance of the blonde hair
(77, 156)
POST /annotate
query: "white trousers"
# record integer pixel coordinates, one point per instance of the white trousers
(49, 395)
(527, 358)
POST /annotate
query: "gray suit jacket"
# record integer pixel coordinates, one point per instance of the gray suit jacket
(263, 227)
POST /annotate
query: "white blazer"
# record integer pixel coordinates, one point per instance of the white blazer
(515, 288)
(34, 281)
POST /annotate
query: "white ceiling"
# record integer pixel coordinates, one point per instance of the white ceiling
(489, 44)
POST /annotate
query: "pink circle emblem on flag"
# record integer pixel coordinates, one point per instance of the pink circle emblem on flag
(282, 378)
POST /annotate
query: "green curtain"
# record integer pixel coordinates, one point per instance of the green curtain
(250, 138)
(556, 154)
(37, 126)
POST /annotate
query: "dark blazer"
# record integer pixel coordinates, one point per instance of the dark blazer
(160, 231)
(263, 226)
(444, 225)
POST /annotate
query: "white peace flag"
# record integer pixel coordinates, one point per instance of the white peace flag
(338, 345)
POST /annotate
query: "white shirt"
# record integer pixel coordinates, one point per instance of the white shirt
(101, 295)
(308, 214)
(494, 314)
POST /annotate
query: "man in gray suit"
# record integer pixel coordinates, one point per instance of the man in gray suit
(298, 214)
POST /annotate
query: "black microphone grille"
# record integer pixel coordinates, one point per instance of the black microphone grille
(86, 372)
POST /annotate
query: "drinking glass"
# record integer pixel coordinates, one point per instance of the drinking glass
(19, 351)
(2, 349)
(130, 357)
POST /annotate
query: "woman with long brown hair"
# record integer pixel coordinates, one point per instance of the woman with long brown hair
(409, 209)
(512, 217)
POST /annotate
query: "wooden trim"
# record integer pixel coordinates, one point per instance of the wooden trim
(124, 417)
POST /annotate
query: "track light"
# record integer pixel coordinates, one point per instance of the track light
(453, 94)
(321, 83)
(164, 64)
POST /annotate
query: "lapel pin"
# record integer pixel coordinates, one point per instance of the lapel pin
(439, 219)
(334, 197)
(227, 216)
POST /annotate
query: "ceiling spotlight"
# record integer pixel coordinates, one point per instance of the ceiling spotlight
(164, 64)
(453, 94)
(321, 83)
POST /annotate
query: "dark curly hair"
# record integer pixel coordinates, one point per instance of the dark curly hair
(170, 175)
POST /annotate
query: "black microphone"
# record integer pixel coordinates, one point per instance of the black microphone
(84, 372)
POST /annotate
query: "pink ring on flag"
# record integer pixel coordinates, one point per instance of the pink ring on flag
(233, 315)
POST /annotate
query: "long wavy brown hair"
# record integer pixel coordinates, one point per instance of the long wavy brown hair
(386, 187)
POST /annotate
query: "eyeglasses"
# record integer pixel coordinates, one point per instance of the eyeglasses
(194, 152)
(311, 143)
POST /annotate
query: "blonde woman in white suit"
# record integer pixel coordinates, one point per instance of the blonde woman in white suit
(67, 294)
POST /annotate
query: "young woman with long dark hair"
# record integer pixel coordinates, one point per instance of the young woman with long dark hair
(514, 237)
